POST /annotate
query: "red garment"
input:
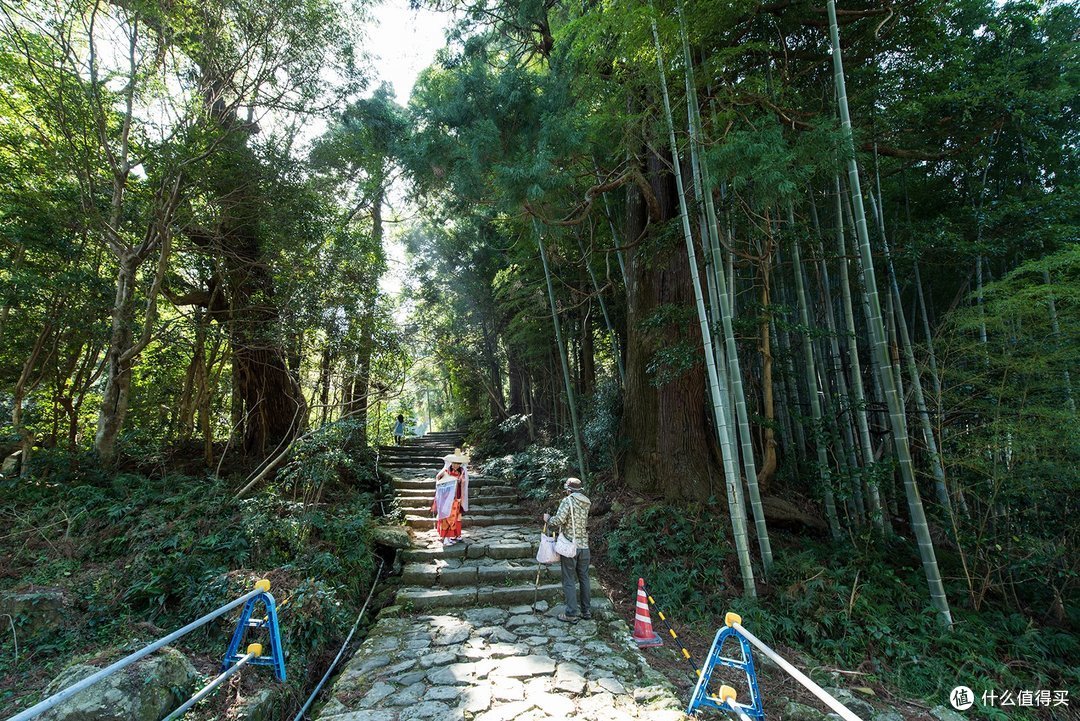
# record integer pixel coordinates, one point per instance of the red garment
(450, 527)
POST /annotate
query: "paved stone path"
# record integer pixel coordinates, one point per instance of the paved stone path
(465, 640)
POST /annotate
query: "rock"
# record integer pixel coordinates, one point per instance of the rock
(426, 710)
(38, 611)
(855, 705)
(372, 715)
(800, 712)
(570, 677)
(147, 691)
(446, 632)
(556, 706)
(442, 693)
(612, 686)
(10, 467)
(391, 536)
(442, 658)
(648, 694)
(542, 606)
(942, 713)
(257, 707)
(889, 715)
(370, 664)
(407, 696)
(459, 674)
(476, 699)
(508, 689)
(524, 666)
(486, 616)
(378, 693)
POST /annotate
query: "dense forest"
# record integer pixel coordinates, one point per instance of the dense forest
(794, 287)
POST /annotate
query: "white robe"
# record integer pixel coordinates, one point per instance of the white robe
(464, 490)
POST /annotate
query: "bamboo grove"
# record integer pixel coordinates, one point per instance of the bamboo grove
(802, 263)
(814, 250)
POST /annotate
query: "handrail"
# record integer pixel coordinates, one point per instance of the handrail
(253, 651)
(37, 709)
(735, 621)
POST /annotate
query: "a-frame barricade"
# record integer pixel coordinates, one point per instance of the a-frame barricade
(276, 657)
(701, 698)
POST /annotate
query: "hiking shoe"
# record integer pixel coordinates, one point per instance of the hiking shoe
(567, 619)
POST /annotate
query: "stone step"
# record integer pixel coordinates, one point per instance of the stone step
(480, 571)
(429, 483)
(488, 499)
(496, 549)
(477, 596)
(502, 520)
(412, 462)
(476, 508)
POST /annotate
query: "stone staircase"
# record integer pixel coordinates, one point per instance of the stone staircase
(470, 637)
(420, 453)
(495, 564)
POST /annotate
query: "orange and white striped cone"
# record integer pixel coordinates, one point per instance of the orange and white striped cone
(643, 630)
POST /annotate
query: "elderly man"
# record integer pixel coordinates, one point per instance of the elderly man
(572, 518)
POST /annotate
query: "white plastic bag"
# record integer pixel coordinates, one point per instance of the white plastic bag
(546, 552)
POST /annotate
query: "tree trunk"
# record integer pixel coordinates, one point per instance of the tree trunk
(667, 425)
(114, 401)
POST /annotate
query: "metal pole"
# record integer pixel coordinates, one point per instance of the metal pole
(39, 708)
(795, 673)
(254, 650)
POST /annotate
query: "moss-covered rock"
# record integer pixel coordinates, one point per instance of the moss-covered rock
(146, 691)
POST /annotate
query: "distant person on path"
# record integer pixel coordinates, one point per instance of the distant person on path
(451, 497)
(399, 430)
(572, 519)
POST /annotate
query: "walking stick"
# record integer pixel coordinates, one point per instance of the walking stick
(539, 567)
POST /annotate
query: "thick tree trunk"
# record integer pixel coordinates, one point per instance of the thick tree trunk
(667, 426)
(272, 409)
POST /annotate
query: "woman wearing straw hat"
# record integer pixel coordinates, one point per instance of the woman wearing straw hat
(451, 497)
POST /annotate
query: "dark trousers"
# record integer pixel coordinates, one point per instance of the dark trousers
(576, 569)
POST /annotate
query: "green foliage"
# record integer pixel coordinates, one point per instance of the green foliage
(857, 608)
(133, 550)
(539, 471)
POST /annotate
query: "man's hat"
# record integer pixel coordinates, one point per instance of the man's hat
(573, 484)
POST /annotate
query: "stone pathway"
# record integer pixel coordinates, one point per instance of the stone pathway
(464, 639)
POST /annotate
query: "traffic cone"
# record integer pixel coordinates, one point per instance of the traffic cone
(643, 630)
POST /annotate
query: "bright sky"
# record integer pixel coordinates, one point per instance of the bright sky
(402, 43)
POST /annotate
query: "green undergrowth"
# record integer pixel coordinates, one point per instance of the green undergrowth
(856, 607)
(136, 556)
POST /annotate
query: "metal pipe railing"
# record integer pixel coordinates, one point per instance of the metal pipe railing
(37, 709)
(734, 621)
(253, 651)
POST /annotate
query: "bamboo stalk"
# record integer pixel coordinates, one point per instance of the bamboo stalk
(704, 192)
(562, 356)
(810, 368)
(913, 370)
(896, 407)
(734, 487)
(859, 399)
